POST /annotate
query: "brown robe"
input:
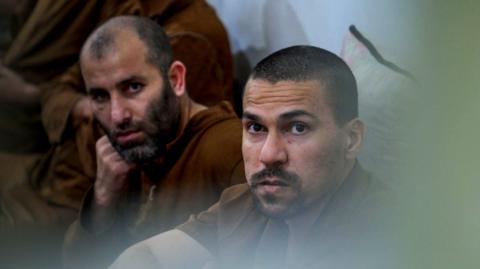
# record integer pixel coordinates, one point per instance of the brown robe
(233, 229)
(203, 161)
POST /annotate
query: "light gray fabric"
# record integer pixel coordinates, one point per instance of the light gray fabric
(386, 100)
(170, 250)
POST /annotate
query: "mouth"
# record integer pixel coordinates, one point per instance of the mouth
(271, 185)
(127, 137)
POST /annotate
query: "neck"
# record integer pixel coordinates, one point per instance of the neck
(300, 225)
(188, 110)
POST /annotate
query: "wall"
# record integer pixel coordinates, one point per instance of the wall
(259, 27)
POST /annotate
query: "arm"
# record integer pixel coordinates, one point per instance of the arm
(99, 235)
(58, 100)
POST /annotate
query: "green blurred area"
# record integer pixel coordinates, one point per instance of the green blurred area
(439, 226)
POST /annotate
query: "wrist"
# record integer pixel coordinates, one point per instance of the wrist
(103, 199)
(103, 213)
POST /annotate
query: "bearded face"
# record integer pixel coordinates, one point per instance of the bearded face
(159, 127)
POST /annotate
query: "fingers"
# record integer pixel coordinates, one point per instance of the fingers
(109, 154)
(104, 147)
(112, 173)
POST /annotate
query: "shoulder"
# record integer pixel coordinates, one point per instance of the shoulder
(219, 134)
(222, 122)
(371, 202)
(224, 216)
(234, 195)
(377, 193)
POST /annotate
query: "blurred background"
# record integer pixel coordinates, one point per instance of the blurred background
(418, 68)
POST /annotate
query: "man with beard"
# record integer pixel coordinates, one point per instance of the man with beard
(163, 157)
(307, 202)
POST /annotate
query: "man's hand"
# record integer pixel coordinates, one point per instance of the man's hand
(15, 90)
(112, 173)
(111, 183)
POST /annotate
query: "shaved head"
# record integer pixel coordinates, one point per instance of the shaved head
(304, 63)
(104, 39)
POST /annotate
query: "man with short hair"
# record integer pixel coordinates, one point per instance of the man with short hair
(307, 202)
(163, 157)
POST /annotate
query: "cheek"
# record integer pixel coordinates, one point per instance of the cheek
(317, 162)
(139, 108)
(250, 157)
(310, 163)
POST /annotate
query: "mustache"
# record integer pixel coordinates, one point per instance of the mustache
(126, 127)
(284, 176)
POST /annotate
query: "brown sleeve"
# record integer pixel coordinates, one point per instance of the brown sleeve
(221, 219)
(58, 100)
(203, 227)
(238, 174)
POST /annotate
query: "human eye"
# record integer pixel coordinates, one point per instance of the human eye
(135, 87)
(254, 128)
(98, 96)
(299, 128)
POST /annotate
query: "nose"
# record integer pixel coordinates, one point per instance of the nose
(273, 150)
(119, 111)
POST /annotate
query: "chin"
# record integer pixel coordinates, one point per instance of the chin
(275, 208)
(139, 154)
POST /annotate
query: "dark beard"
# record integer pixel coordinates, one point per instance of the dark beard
(160, 127)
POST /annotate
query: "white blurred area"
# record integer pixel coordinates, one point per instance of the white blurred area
(260, 27)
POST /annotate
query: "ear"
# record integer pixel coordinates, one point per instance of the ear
(176, 76)
(355, 131)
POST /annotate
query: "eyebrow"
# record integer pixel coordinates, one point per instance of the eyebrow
(296, 113)
(250, 116)
(129, 80)
(121, 83)
(285, 116)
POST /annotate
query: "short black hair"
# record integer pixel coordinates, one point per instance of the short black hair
(302, 63)
(159, 50)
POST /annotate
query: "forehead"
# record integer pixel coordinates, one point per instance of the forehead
(264, 96)
(125, 57)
